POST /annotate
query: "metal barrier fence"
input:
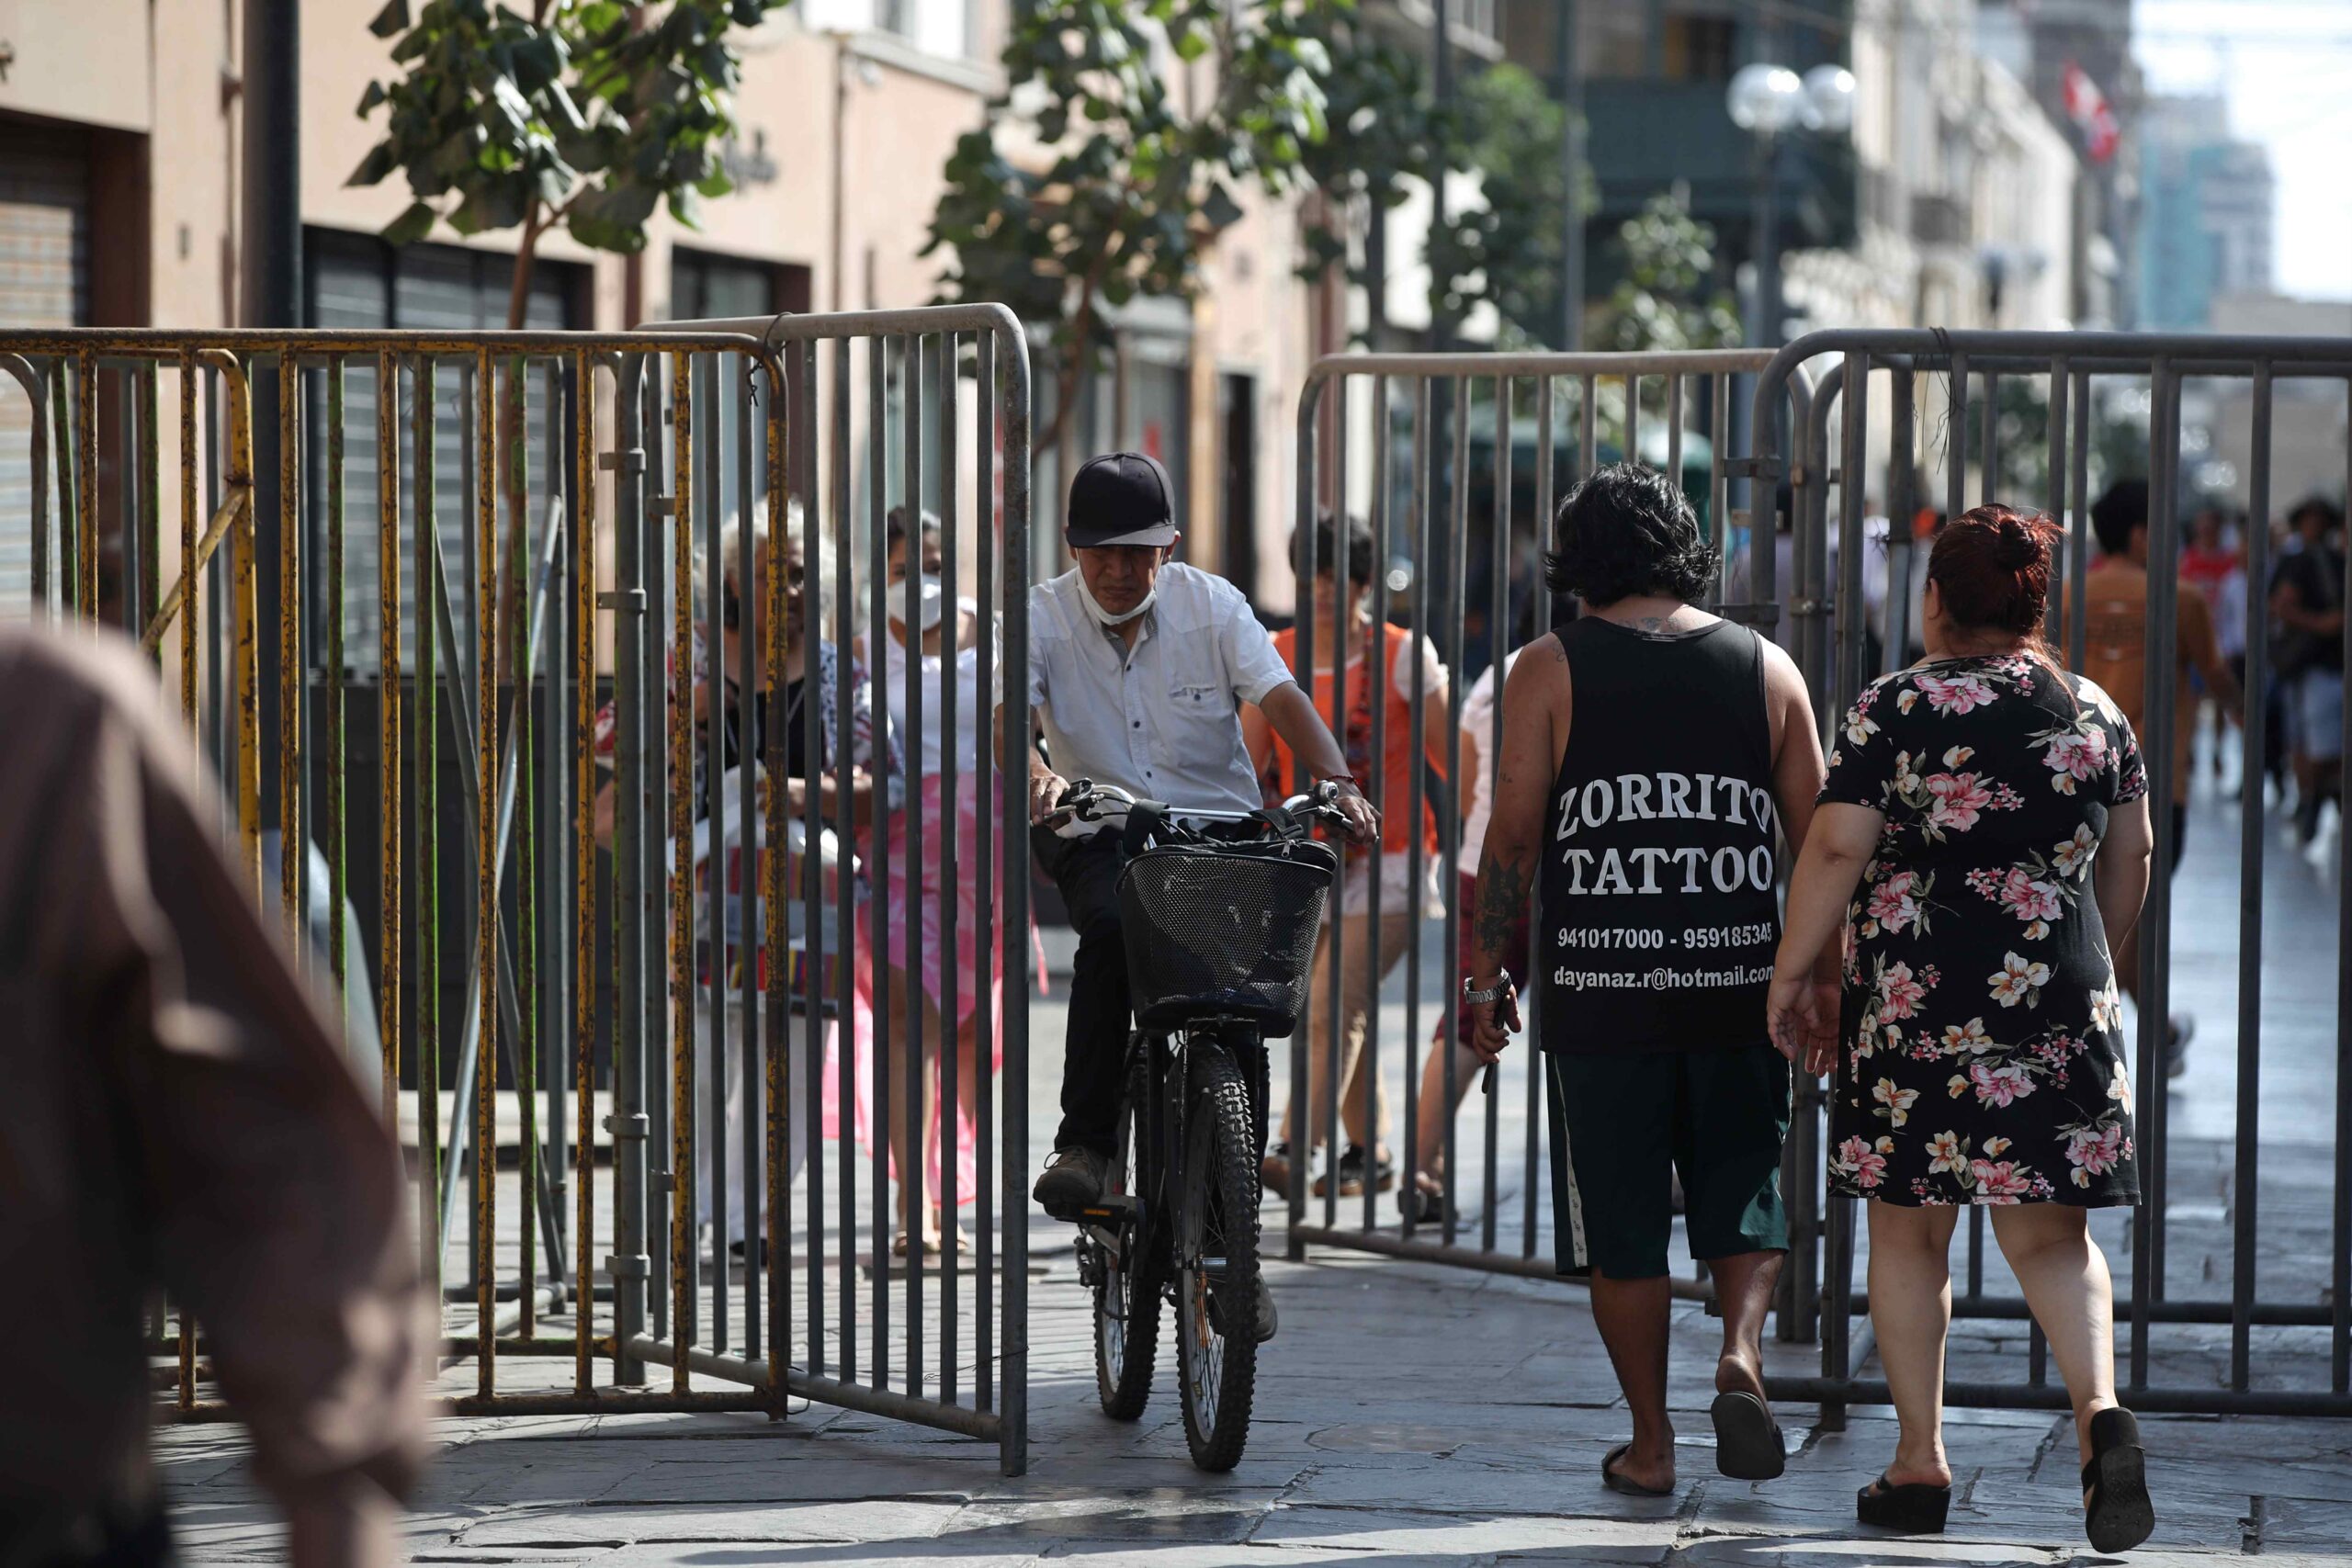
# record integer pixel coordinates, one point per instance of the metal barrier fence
(1967, 369)
(671, 439)
(1445, 468)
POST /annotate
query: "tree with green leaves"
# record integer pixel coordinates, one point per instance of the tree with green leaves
(1506, 251)
(584, 113)
(1669, 297)
(1133, 128)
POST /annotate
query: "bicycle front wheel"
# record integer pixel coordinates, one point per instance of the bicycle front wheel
(1217, 1279)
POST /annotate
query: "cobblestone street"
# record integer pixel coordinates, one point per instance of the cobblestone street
(1411, 1413)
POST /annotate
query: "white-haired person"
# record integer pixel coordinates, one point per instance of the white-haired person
(816, 674)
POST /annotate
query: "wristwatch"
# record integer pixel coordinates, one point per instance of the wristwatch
(1492, 993)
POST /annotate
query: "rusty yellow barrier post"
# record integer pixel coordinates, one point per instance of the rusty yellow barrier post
(293, 844)
(427, 809)
(245, 613)
(517, 652)
(85, 457)
(186, 588)
(387, 587)
(777, 1229)
(150, 510)
(331, 696)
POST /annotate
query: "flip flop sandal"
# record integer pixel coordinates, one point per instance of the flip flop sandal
(1912, 1509)
(2116, 1512)
(1747, 1440)
(1626, 1484)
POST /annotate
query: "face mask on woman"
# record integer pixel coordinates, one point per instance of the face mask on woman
(930, 600)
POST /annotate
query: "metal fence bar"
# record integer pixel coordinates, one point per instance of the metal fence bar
(506, 791)
(845, 909)
(2246, 1178)
(584, 870)
(1379, 674)
(2070, 361)
(917, 1079)
(2340, 1350)
(992, 943)
(486, 869)
(710, 987)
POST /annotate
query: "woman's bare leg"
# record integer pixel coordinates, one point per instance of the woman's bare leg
(908, 1078)
(1910, 1286)
(2063, 1275)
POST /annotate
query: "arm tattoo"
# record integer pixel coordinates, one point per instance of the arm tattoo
(1503, 889)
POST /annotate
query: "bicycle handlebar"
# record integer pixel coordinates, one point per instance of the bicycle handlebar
(1094, 806)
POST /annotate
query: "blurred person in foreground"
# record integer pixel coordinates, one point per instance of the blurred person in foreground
(178, 1121)
(2115, 655)
(1654, 755)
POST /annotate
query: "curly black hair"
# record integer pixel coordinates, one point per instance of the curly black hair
(1628, 530)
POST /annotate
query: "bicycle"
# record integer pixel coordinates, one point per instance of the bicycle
(1220, 937)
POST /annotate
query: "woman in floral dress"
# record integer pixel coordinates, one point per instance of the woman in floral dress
(1984, 841)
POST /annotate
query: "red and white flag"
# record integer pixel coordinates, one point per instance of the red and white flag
(2088, 109)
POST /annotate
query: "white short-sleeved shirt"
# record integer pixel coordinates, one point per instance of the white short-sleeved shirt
(1162, 721)
(1477, 724)
(974, 711)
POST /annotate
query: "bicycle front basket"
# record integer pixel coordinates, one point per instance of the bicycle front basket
(1224, 931)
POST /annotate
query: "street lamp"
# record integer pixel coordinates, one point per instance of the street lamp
(1768, 101)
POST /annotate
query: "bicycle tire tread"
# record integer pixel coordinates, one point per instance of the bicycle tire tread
(1221, 1115)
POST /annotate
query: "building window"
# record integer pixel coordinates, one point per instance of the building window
(707, 286)
(357, 281)
(1699, 49)
(936, 27)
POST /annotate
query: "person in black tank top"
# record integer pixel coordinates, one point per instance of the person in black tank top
(1654, 759)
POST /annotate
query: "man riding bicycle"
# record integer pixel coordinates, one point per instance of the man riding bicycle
(1138, 667)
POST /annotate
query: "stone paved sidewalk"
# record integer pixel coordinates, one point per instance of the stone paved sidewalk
(1415, 1414)
(1407, 1414)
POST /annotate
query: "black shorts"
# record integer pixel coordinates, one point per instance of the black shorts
(1621, 1123)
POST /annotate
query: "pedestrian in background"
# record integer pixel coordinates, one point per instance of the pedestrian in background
(1653, 748)
(1992, 811)
(1366, 955)
(912, 549)
(1423, 1201)
(179, 1121)
(2215, 563)
(2307, 652)
(2115, 656)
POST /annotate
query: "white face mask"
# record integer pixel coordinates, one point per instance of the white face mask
(1104, 615)
(930, 600)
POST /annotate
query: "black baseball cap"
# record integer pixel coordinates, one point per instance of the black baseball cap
(1120, 498)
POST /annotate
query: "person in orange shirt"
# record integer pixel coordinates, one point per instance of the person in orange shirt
(1404, 659)
(2115, 654)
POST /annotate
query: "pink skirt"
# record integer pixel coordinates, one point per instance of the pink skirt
(968, 925)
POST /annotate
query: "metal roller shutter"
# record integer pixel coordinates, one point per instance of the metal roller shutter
(357, 281)
(44, 282)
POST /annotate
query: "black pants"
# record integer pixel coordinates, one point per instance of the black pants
(1101, 1005)
(1101, 1013)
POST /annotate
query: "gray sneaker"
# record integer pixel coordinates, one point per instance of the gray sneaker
(1073, 1180)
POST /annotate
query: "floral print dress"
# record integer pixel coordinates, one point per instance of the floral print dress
(1982, 1056)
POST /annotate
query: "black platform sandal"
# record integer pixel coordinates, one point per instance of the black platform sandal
(1912, 1509)
(2117, 1513)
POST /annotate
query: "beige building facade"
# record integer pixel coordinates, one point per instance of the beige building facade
(121, 197)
